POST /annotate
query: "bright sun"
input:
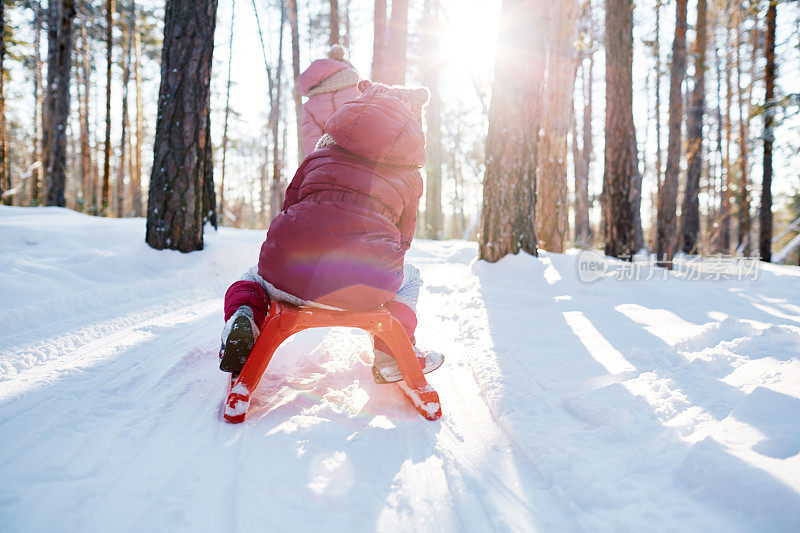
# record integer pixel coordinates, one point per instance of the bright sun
(469, 35)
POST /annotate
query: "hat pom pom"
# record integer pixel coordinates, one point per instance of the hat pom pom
(336, 52)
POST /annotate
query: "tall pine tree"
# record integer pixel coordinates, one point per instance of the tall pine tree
(509, 185)
(666, 223)
(179, 183)
(621, 160)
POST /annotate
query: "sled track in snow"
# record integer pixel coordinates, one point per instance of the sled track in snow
(77, 343)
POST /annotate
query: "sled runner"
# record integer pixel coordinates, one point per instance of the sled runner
(284, 320)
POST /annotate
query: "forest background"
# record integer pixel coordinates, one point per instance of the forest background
(451, 47)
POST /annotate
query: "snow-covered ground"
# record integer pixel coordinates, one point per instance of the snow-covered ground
(568, 406)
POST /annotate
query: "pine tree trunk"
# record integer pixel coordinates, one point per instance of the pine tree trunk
(53, 22)
(136, 175)
(94, 176)
(552, 206)
(263, 213)
(176, 205)
(58, 96)
(621, 160)
(666, 230)
(657, 52)
(636, 189)
(765, 214)
(581, 148)
(583, 230)
(106, 196)
(5, 174)
(277, 190)
(124, 138)
(690, 211)
(83, 103)
(225, 120)
(577, 172)
(334, 22)
(743, 228)
(394, 71)
(725, 208)
(720, 149)
(754, 40)
(36, 176)
(298, 101)
(380, 39)
(209, 193)
(434, 224)
(509, 185)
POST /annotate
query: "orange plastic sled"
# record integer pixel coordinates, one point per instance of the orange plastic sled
(284, 320)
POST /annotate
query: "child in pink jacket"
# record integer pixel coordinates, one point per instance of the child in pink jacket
(328, 83)
(348, 219)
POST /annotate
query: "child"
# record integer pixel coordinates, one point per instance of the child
(328, 83)
(347, 221)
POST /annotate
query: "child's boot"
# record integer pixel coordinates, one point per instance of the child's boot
(386, 370)
(238, 338)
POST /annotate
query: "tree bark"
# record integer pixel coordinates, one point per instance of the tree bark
(124, 137)
(176, 205)
(5, 174)
(225, 121)
(509, 185)
(394, 71)
(136, 175)
(621, 159)
(577, 172)
(298, 101)
(690, 211)
(743, 215)
(58, 96)
(334, 22)
(83, 104)
(277, 190)
(666, 230)
(209, 193)
(434, 223)
(583, 230)
(106, 196)
(720, 193)
(53, 22)
(636, 188)
(36, 176)
(380, 39)
(552, 206)
(725, 208)
(765, 213)
(657, 52)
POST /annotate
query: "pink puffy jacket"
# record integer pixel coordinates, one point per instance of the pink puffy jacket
(351, 209)
(319, 107)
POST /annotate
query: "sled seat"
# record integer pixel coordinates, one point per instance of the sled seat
(284, 320)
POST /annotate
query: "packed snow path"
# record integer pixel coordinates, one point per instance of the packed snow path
(617, 405)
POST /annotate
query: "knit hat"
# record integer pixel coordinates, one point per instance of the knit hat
(414, 99)
(339, 80)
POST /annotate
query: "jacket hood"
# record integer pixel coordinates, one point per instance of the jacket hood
(379, 128)
(318, 71)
